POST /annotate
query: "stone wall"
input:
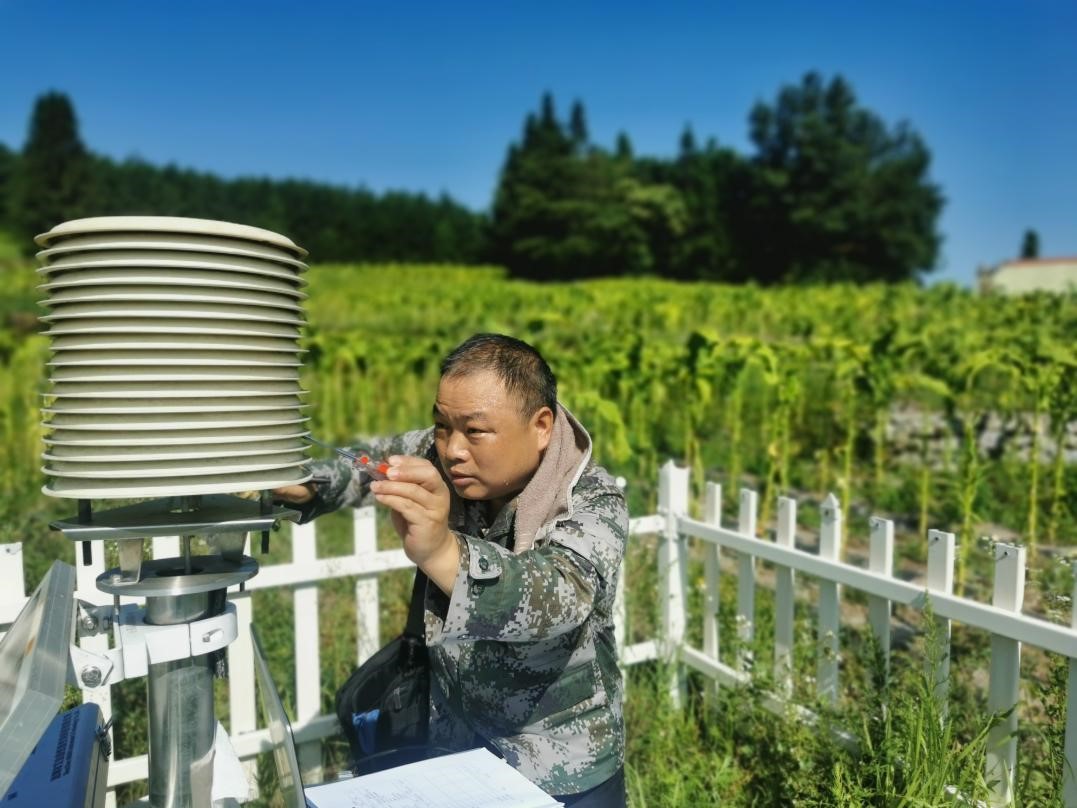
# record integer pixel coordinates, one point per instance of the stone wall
(998, 436)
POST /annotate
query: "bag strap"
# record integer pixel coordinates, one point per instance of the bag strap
(415, 626)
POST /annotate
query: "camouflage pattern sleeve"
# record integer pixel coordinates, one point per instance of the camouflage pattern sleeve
(543, 593)
(340, 485)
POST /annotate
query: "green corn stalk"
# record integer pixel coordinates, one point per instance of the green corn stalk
(970, 478)
(849, 371)
(971, 467)
(736, 438)
(925, 479)
(1062, 408)
(1039, 376)
(779, 449)
(824, 458)
(909, 384)
(848, 453)
(1034, 471)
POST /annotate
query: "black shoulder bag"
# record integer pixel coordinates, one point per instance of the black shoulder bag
(384, 707)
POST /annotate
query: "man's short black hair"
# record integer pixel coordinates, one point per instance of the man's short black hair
(520, 367)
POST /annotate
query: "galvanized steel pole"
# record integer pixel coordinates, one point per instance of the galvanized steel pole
(181, 718)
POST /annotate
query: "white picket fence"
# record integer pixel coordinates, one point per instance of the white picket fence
(1002, 619)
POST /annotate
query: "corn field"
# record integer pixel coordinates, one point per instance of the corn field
(938, 407)
(793, 389)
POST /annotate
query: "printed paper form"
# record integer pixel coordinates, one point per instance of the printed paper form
(475, 779)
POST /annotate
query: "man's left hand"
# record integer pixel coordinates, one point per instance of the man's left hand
(419, 500)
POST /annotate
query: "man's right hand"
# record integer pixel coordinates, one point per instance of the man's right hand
(295, 494)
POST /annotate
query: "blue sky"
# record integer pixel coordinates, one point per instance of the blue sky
(427, 96)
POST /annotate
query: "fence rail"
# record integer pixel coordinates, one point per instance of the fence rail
(1002, 618)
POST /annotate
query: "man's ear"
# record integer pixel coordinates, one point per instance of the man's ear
(542, 423)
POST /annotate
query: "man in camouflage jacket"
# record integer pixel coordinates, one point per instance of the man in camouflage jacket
(519, 612)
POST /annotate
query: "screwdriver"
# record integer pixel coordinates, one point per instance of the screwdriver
(376, 469)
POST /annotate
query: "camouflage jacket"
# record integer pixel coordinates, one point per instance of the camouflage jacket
(522, 653)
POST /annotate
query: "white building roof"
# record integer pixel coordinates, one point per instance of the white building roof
(1031, 275)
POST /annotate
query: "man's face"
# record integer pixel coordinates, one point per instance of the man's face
(486, 447)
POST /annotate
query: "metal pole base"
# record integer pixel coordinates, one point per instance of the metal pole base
(181, 718)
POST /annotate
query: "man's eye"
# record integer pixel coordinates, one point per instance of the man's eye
(472, 430)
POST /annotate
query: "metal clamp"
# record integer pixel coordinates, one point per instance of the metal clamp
(137, 645)
(142, 644)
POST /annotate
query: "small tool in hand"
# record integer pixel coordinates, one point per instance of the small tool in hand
(377, 469)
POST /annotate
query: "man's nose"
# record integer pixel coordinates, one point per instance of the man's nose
(457, 446)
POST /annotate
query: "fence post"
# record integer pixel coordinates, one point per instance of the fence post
(940, 578)
(881, 560)
(784, 603)
(166, 546)
(1004, 685)
(829, 604)
(308, 681)
(12, 581)
(367, 609)
(86, 589)
(749, 504)
(242, 710)
(712, 515)
(1069, 776)
(673, 502)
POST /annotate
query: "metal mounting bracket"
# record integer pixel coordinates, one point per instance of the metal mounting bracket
(87, 669)
(92, 619)
(137, 644)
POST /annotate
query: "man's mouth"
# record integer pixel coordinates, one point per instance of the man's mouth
(461, 479)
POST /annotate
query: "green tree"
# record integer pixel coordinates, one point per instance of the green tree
(59, 179)
(688, 146)
(52, 179)
(577, 126)
(566, 209)
(835, 193)
(708, 183)
(1030, 244)
(7, 166)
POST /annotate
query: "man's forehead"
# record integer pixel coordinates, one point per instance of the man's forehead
(482, 384)
(473, 395)
(438, 409)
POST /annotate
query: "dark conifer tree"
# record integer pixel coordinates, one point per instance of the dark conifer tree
(835, 193)
(52, 180)
(687, 142)
(577, 126)
(7, 167)
(1030, 244)
(548, 114)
